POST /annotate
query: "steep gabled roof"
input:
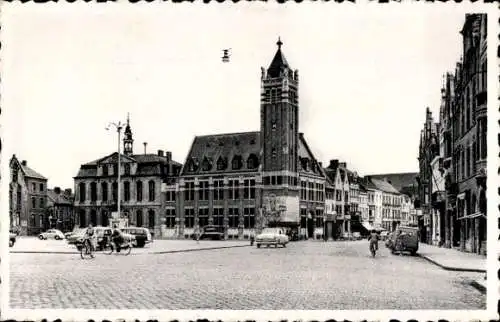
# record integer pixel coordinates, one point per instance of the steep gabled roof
(209, 150)
(59, 199)
(398, 180)
(305, 152)
(384, 186)
(27, 171)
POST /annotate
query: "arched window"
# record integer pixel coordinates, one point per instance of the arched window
(104, 188)
(115, 191)
(93, 191)
(221, 163)
(252, 161)
(151, 219)
(126, 190)
(83, 218)
(139, 219)
(152, 190)
(82, 191)
(139, 190)
(104, 218)
(93, 217)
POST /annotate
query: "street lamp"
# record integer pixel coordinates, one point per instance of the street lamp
(118, 126)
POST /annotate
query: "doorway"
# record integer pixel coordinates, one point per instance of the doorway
(310, 227)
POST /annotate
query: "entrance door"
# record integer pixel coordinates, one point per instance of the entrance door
(310, 227)
(329, 230)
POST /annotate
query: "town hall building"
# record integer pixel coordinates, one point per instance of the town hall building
(243, 182)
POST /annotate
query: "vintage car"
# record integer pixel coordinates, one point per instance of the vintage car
(12, 239)
(272, 236)
(141, 234)
(52, 233)
(403, 239)
(103, 234)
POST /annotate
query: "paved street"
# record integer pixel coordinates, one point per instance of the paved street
(305, 275)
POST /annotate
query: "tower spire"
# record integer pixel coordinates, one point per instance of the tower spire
(279, 43)
(128, 140)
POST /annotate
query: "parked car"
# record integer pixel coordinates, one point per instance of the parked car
(272, 236)
(12, 238)
(76, 236)
(142, 235)
(212, 232)
(404, 239)
(52, 233)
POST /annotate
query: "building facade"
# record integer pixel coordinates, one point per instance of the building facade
(27, 199)
(142, 178)
(60, 209)
(243, 182)
(452, 179)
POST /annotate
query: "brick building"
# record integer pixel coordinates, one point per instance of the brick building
(60, 209)
(245, 181)
(27, 198)
(142, 178)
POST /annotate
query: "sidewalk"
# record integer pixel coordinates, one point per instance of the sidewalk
(452, 260)
(30, 245)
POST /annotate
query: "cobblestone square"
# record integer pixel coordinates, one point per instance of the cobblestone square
(304, 275)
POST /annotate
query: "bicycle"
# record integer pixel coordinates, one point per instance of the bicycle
(87, 250)
(110, 246)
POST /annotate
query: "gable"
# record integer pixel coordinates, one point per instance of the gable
(113, 158)
(307, 163)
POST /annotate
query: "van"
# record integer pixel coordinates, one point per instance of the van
(404, 239)
(141, 234)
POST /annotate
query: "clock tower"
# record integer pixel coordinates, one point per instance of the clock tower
(279, 126)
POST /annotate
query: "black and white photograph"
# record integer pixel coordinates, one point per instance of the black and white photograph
(249, 161)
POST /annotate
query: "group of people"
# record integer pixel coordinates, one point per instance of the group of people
(116, 237)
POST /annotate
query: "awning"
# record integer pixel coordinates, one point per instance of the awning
(367, 226)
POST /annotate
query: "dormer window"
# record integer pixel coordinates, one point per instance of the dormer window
(221, 143)
(206, 164)
(252, 161)
(221, 163)
(252, 141)
(192, 165)
(236, 163)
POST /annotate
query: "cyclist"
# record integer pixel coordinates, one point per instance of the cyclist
(117, 238)
(373, 239)
(90, 236)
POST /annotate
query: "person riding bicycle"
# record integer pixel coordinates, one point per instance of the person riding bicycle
(90, 235)
(373, 239)
(117, 238)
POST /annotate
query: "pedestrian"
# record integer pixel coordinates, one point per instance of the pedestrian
(252, 239)
(197, 235)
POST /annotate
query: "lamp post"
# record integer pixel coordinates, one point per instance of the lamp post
(119, 127)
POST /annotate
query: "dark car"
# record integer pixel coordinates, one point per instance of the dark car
(212, 232)
(141, 234)
(12, 239)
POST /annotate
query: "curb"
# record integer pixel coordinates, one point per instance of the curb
(448, 268)
(136, 254)
(478, 286)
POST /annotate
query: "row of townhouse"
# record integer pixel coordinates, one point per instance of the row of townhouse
(453, 151)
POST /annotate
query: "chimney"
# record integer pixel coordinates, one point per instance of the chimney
(24, 163)
(68, 192)
(57, 190)
(145, 145)
(160, 153)
(169, 156)
(343, 165)
(333, 164)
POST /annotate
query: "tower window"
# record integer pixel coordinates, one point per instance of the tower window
(274, 153)
(273, 125)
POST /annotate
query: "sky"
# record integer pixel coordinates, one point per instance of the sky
(366, 78)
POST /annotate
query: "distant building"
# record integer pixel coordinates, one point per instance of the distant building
(338, 174)
(142, 178)
(27, 198)
(60, 209)
(391, 204)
